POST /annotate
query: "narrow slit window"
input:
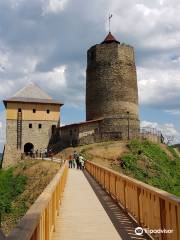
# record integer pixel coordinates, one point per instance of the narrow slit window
(30, 125)
(48, 111)
(39, 125)
(19, 109)
(34, 110)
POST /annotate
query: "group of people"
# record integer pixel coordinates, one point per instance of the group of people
(39, 153)
(76, 160)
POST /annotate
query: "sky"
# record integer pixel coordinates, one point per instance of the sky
(46, 41)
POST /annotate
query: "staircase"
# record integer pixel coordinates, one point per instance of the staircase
(19, 130)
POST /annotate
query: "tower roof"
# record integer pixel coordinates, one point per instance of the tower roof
(32, 93)
(109, 39)
(31, 90)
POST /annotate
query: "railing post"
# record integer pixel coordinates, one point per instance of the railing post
(163, 217)
(125, 194)
(138, 205)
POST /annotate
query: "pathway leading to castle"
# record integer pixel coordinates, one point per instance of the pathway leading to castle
(82, 216)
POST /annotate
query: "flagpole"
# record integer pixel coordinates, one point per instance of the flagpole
(110, 16)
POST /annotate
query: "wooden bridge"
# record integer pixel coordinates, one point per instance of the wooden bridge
(99, 204)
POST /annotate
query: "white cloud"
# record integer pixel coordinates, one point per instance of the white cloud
(159, 88)
(173, 111)
(52, 80)
(54, 6)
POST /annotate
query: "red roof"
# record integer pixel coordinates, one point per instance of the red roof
(110, 38)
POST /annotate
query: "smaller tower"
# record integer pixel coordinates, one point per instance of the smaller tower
(31, 116)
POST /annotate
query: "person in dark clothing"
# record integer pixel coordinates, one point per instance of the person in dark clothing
(77, 162)
(81, 162)
(70, 161)
(76, 157)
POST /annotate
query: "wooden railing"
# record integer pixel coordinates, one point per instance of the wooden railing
(152, 208)
(39, 221)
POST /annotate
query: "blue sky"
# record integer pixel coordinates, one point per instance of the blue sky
(46, 41)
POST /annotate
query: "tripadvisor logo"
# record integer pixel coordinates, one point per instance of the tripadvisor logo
(139, 231)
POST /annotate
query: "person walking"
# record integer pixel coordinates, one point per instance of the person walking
(37, 153)
(74, 163)
(81, 162)
(76, 157)
(45, 153)
(70, 161)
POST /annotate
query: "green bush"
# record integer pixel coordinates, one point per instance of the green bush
(149, 163)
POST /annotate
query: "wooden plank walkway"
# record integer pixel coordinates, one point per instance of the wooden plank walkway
(82, 216)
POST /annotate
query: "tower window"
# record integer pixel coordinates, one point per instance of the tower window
(48, 111)
(39, 125)
(34, 110)
(30, 125)
(19, 109)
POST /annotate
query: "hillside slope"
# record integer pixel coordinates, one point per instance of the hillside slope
(19, 188)
(155, 164)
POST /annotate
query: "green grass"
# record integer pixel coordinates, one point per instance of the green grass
(10, 187)
(149, 163)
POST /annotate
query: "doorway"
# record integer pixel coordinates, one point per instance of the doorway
(28, 148)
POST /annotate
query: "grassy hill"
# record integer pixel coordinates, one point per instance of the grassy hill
(155, 164)
(19, 188)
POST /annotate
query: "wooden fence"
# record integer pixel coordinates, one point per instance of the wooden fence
(152, 208)
(39, 221)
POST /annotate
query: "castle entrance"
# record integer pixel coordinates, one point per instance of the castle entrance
(28, 148)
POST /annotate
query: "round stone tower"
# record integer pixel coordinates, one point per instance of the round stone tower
(111, 88)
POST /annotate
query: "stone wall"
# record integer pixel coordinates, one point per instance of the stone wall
(97, 131)
(119, 128)
(39, 137)
(11, 156)
(152, 137)
(80, 134)
(111, 88)
(111, 84)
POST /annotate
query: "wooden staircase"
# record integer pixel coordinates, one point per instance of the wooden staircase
(19, 130)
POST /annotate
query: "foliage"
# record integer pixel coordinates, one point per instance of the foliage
(173, 152)
(10, 187)
(149, 163)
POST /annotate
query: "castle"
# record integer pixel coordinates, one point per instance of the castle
(111, 96)
(33, 117)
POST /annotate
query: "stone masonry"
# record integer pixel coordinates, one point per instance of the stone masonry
(111, 96)
(111, 88)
